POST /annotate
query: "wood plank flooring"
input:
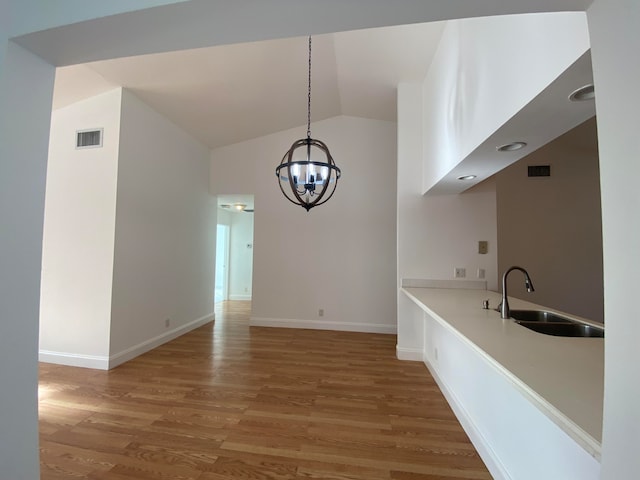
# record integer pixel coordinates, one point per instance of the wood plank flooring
(229, 401)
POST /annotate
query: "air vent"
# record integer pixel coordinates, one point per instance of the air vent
(539, 170)
(89, 138)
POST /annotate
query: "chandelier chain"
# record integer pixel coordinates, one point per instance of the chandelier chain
(309, 95)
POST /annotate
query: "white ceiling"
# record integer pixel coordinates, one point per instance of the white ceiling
(231, 93)
(227, 94)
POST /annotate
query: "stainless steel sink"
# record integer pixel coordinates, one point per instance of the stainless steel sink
(551, 323)
(537, 316)
(560, 329)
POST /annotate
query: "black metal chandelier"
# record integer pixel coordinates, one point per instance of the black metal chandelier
(307, 174)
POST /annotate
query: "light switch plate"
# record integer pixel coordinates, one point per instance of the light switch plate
(483, 247)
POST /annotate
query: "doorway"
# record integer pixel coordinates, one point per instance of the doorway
(234, 248)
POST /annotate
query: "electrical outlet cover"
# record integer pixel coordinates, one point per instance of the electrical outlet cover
(460, 272)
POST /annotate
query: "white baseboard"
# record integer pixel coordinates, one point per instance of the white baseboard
(240, 297)
(97, 362)
(322, 325)
(414, 354)
(489, 457)
(107, 363)
(143, 347)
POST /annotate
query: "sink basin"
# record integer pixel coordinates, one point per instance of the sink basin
(551, 323)
(560, 329)
(537, 316)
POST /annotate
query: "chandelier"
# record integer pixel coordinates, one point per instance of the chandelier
(307, 174)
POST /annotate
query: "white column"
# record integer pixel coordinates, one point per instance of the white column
(615, 40)
(410, 323)
(26, 86)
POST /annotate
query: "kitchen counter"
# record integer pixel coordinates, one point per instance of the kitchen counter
(562, 376)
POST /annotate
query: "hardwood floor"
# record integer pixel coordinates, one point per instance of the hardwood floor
(229, 401)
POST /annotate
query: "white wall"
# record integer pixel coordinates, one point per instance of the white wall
(26, 88)
(241, 256)
(444, 234)
(224, 217)
(164, 233)
(129, 238)
(552, 226)
(78, 241)
(486, 70)
(5, 25)
(340, 256)
(615, 40)
(435, 233)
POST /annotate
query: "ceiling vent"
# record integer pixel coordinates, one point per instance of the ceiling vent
(89, 138)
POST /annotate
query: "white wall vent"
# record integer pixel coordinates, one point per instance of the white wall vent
(91, 138)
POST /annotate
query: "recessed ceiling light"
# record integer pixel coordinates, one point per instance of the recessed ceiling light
(583, 93)
(467, 177)
(239, 206)
(511, 147)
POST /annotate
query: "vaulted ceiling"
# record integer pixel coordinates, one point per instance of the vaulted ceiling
(227, 94)
(234, 92)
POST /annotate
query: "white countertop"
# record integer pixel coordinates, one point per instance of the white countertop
(562, 376)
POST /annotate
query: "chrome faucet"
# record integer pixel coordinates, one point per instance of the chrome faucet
(505, 312)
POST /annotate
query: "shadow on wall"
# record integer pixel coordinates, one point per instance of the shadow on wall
(552, 225)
